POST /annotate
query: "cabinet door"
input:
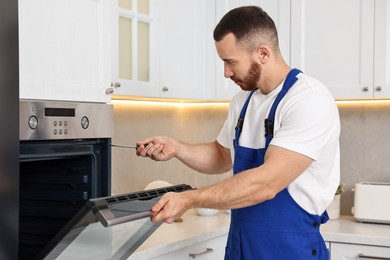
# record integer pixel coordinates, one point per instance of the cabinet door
(63, 50)
(279, 10)
(183, 43)
(333, 42)
(382, 49)
(133, 59)
(340, 251)
(212, 249)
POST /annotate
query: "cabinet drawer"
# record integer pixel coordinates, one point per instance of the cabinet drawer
(341, 251)
(213, 249)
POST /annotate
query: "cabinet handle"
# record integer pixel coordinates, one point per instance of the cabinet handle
(365, 89)
(208, 250)
(363, 256)
(109, 91)
(165, 89)
(378, 88)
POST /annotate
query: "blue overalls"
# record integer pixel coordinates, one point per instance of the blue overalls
(279, 228)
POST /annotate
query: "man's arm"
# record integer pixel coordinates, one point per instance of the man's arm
(280, 168)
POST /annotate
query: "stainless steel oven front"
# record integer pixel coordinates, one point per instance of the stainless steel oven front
(65, 160)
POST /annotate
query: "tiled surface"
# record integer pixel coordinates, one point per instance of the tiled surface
(365, 144)
(137, 121)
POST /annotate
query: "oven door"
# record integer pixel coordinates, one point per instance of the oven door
(108, 228)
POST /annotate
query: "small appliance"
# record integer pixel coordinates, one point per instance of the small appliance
(372, 202)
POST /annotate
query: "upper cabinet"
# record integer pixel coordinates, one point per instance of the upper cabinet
(279, 11)
(84, 50)
(184, 44)
(164, 51)
(64, 50)
(133, 53)
(345, 44)
(381, 80)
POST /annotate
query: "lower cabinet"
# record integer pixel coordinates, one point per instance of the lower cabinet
(342, 251)
(213, 249)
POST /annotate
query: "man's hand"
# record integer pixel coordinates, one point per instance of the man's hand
(171, 206)
(159, 148)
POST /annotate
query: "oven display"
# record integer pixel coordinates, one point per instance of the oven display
(60, 112)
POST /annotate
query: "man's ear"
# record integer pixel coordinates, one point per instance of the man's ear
(262, 54)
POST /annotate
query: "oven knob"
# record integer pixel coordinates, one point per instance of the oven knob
(84, 122)
(33, 122)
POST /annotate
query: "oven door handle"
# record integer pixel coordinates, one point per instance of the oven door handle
(108, 219)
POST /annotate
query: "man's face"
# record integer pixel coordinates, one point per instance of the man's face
(239, 66)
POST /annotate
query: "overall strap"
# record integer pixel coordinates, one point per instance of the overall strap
(269, 122)
(240, 121)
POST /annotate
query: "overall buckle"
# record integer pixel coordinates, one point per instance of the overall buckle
(240, 123)
(269, 127)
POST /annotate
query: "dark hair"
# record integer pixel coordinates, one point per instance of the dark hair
(250, 25)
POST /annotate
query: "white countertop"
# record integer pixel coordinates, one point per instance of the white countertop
(196, 229)
(193, 229)
(347, 230)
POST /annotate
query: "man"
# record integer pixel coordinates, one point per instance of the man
(281, 137)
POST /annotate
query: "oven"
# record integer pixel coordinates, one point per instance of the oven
(65, 160)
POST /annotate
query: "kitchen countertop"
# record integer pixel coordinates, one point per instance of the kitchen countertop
(347, 230)
(195, 229)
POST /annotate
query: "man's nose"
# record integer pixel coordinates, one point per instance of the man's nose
(228, 73)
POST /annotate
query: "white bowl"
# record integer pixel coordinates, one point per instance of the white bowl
(157, 184)
(206, 211)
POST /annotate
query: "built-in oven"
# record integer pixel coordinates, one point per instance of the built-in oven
(65, 160)
(66, 211)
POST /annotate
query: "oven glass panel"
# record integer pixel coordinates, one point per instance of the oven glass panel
(96, 241)
(56, 180)
(108, 228)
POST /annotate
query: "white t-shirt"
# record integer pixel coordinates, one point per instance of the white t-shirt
(306, 121)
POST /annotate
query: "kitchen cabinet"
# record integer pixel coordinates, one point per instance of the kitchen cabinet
(183, 58)
(133, 56)
(194, 235)
(347, 239)
(344, 44)
(355, 251)
(279, 11)
(184, 46)
(208, 250)
(181, 63)
(64, 50)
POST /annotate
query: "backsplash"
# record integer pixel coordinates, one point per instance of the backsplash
(365, 143)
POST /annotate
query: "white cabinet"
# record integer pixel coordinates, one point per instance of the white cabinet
(279, 11)
(185, 48)
(345, 44)
(213, 249)
(181, 53)
(341, 251)
(64, 50)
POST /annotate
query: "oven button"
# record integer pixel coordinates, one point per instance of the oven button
(33, 122)
(60, 131)
(55, 131)
(65, 131)
(65, 123)
(84, 122)
(60, 123)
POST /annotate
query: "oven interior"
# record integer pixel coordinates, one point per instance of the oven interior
(56, 179)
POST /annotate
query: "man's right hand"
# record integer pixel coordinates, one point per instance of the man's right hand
(158, 148)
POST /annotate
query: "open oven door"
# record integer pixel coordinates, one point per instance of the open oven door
(108, 228)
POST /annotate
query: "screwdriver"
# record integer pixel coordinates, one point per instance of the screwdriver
(127, 146)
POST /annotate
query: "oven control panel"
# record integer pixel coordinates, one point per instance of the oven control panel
(46, 120)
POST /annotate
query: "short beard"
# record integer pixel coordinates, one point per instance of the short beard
(251, 79)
